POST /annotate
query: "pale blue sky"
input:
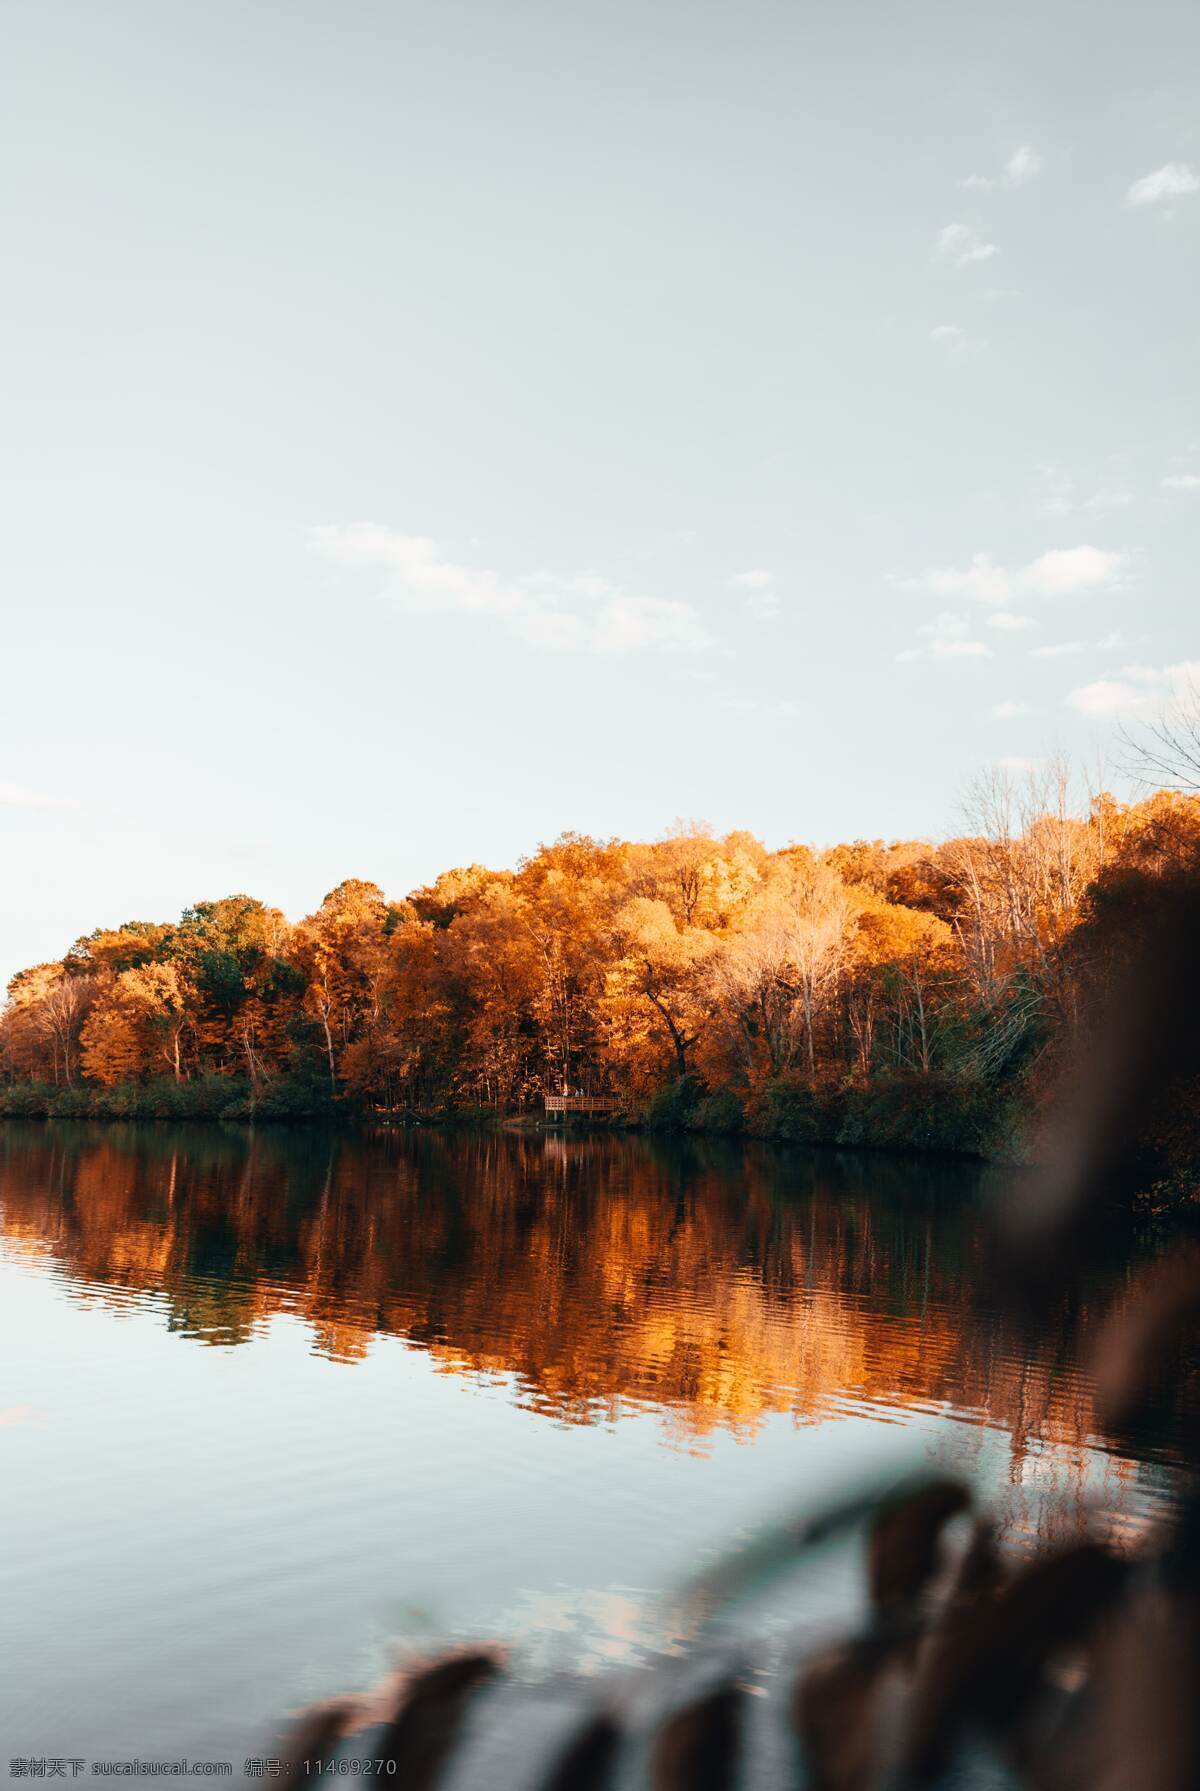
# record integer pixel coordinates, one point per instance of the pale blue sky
(429, 427)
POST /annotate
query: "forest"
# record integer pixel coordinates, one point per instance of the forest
(905, 993)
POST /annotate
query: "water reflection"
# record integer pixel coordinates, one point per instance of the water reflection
(278, 1406)
(713, 1283)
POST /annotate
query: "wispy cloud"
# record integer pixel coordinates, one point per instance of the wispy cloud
(1057, 494)
(1057, 650)
(948, 636)
(1010, 620)
(584, 613)
(954, 343)
(982, 580)
(1174, 180)
(1055, 489)
(1109, 498)
(744, 705)
(757, 589)
(963, 246)
(1066, 649)
(1010, 709)
(1138, 690)
(1022, 166)
(1182, 482)
(1064, 571)
(19, 796)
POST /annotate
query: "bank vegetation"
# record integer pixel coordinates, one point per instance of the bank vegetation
(900, 993)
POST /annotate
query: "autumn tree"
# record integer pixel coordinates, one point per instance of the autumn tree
(617, 966)
(138, 1024)
(343, 953)
(660, 979)
(899, 966)
(47, 1008)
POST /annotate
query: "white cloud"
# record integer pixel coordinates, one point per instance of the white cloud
(947, 626)
(1010, 621)
(1015, 763)
(954, 343)
(582, 613)
(1109, 498)
(19, 796)
(761, 598)
(1059, 650)
(1174, 180)
(1139, 690)
(1022, 166)
(982, 580)
(751, 581)
(1056, 489)
(1182, 482)
(962, 246)
(1111, 696)
(744, 705)
(1064, 571)
(1009, 709)
(1057, 494)
(947, 637)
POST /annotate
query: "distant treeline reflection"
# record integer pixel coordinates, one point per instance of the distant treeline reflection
(716, 1282)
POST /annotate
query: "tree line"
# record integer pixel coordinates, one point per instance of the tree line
(696, 979)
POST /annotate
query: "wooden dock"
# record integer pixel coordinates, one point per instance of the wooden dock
(580, 1104)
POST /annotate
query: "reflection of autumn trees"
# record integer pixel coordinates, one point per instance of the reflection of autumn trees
(716, 1284)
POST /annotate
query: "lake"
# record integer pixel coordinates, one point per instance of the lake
(277, 1406)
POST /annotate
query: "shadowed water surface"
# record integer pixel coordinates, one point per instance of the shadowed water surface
(275, 1406)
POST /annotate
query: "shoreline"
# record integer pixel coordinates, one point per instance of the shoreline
(928, 1114)
(519, 1125)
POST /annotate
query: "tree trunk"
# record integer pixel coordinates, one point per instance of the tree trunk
(329, 1050)
(678, 1038)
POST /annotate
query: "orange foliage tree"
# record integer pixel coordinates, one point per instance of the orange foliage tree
(620, 968)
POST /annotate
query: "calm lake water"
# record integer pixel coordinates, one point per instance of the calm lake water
(276, 1407)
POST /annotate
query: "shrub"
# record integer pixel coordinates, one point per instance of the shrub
(673, 1107)
(929, 1112)
(209, 1096)
(791, 1109)
(294, 1097)
(719, 1112)
(71, 1103)
(27, 1100)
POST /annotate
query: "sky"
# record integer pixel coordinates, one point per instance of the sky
(425, 428)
